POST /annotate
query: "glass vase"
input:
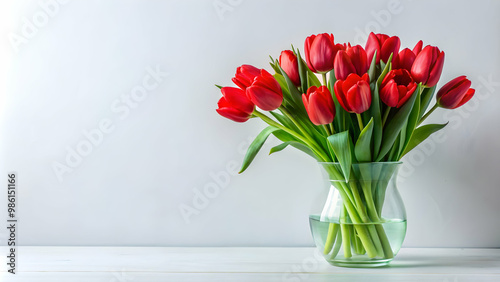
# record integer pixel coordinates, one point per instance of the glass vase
(363, 220)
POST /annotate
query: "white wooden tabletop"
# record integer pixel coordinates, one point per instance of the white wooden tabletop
(151, 264)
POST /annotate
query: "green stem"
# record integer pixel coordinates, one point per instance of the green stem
(372, 211)
(360, 122)
(364, 233)
(332, 234)
(297, 124)
(428, 114)
(345, 234)
(324, 79)
(338, 243)
(360, 249)
(386, 114)
(332, 129)
(306, 141)
(365, 219)
(327, 129)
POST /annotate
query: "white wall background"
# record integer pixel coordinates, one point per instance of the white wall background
(75, 64)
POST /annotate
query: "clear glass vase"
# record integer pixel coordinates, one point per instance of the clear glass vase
(363, 220)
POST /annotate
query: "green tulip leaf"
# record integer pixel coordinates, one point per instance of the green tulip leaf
(394, 149)
(288, 100)
(426, 99)
(377, 120)
(296, 145)
(420, 134)
(340, 144)
(274, 64)
(331, 82)
(254, 148)
(313, 79)
(393, 127)
(294, 92)
(372, 71)
(302, 72)
(362, 149)
(412, 122)
(284, 136)
(284, 120)
(218, 86)
(386, 70)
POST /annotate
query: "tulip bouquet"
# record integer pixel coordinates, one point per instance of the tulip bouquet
(347, 105)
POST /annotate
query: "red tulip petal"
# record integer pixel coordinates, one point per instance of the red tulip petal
(327, 96)
(358, 58)
(350, 81)
(340, 95)
(288, 62)
(372, 45)
(390, 46)
(436, 71)
(454, 96)
(307, 51)
(382, 37)
(422, 64)
(466, 98)
(359, 97)
(319, 113)
(450, 85)
(404, 60)
(233, 114)
(343, 65)
(305, 100)
(418, 47)
(407, 94)
(236, 98)
(389, 94)
(366, 78)
(321, 53)
(264, 98)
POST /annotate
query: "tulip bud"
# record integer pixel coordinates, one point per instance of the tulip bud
(245, 76)
(353, 60)
(428, 66)
(320, 52)
(455, 93)
(397, 87)
(354, 94)
(288, 62)
(383, 44)
(319, 105)
(418, 47)
(235, 105)
(265, 92)
(404, 60)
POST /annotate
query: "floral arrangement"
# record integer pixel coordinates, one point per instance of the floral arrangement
(346, 104)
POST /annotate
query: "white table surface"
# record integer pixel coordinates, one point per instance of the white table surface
(151, 264)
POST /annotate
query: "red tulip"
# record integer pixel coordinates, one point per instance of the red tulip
(235, 105)
(428, 66)
(288, 62)
(354, 93)
(383, 44)
(320, 52)
(319, 105)
(353, 60)
(455, 93)
(404, 60)
(245, 76)
(397, 87)
(418, 47)
(265, 92)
